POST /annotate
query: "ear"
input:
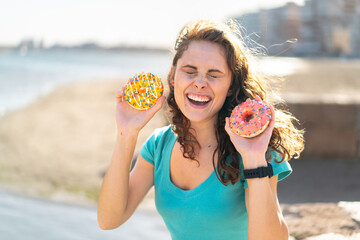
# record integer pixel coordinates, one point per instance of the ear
(172, 75)
(230, 90)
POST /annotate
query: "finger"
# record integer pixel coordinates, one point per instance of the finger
(160, 103)
(119, 96)
(120, 93)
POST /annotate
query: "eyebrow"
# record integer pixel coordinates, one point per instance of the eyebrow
(195, 68)
(190, 66)
(215, 70)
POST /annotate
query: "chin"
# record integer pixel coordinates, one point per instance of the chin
(198, 117)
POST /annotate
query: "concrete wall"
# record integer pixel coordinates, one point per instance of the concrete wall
(332, 130)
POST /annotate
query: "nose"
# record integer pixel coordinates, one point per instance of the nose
(200, 82)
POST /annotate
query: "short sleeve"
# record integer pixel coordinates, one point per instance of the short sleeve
(282, 169)
(153, 144)
(148, 149)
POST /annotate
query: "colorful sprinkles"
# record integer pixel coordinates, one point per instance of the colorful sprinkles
(250, 118)
(143, 90)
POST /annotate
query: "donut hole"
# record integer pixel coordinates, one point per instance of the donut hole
(142, 90)
(248, 116)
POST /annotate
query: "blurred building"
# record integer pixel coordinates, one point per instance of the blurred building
(319, 28)
(28, 45)
(273, 28)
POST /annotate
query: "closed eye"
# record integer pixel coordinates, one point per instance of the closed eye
(189, 69)
(215, 73)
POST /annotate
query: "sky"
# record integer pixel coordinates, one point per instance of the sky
(112, 22)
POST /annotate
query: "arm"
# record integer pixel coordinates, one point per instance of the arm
(264, 214)
(122, 191)
(265, 217)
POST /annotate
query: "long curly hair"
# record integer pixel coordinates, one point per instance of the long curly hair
(286, 139)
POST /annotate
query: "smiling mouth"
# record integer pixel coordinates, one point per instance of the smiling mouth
(198, 100)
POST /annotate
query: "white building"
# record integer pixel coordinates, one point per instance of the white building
(321, 27)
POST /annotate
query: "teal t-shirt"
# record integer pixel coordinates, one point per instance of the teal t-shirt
(209, 211)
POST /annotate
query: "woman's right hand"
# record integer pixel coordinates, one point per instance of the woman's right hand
(131, 119)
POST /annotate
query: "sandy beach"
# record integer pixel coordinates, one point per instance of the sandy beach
(60, 146)
(63, 142)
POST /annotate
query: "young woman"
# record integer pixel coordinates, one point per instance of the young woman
(197, 163)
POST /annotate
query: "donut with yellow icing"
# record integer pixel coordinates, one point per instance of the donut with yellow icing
(250, 118)
(143, 90)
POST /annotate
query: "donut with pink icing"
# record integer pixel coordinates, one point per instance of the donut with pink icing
(250, 118)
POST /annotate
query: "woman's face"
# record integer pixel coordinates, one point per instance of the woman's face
(201, 81)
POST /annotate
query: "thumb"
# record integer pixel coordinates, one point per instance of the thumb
(268, 131)
(227, 125)
(158, 105)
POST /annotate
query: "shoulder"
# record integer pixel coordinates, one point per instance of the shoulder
(161, 134)
(156, 142)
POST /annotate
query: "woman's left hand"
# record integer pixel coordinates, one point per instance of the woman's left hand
(252, 150)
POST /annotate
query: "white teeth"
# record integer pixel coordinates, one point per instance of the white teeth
(198, 98)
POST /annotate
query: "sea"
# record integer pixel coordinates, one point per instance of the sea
(26, 76)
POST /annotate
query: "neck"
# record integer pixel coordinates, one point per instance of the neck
(205, 133)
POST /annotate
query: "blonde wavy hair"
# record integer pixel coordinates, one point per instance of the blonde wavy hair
(245, 83)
